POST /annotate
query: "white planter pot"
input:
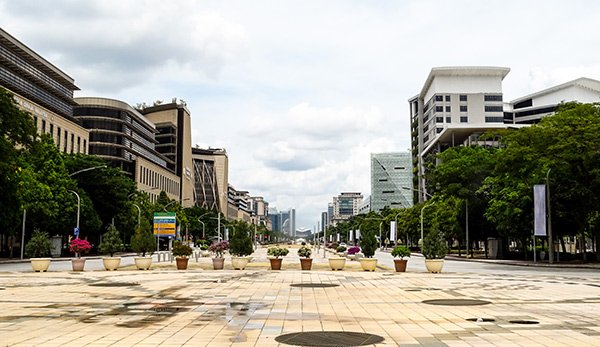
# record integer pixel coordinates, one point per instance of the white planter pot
(336, 263)
(434, 265)
(239, 263)
(111, 263)
(40, 264)
(368, 264)
(143, 263)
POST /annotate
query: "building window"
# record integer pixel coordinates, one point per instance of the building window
(447, 97)
(35, 121)
(439, 109)
(425, 118)
(43, 126)
(439, 98)
(58, 137)
(464, 119)
(438, 130)
(72, 142)
(78, 144)
(462, 97)
(439, 119)
(489, 108)
(448, 120)
(51, 129)
(448, 108)
(84, 146)
(463, 108)
(426, 128)
(426, 138)
(494, 119)
(492, 97)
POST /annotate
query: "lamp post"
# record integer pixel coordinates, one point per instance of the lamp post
(88, 169)
(550, 238)
(203, 228)
(422, 209)
(78, 207)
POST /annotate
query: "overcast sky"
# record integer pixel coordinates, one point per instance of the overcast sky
(301, 92)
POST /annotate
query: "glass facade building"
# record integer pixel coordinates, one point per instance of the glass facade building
(391, 180)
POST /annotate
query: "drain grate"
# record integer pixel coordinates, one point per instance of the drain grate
(523, 321)
(314, 285)
(114, 284)
(329, 339)
(456, 302)
(481, 320)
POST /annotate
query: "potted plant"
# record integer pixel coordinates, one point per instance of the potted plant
(218, 248)
(338, 262)
(79, 246)
(369, 245)
(305, 259)
(142, 242)
(38, 249)
(240, 247)
(340, 250)
(353, 252)
(111, 243)
(276, 253)
(400, 252)
(435, 249)
(182, 253)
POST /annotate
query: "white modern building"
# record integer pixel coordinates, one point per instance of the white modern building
(345, 206)
(456, 105)
(391, 181)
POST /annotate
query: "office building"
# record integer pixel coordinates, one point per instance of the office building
(44, 91)
(345, 206)
(391, 181)
(211, 178)
(283, 221)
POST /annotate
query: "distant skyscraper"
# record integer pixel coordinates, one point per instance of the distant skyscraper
(345, 206)
(391, 180)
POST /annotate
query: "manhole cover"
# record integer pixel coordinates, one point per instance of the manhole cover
(329, 338)
(114, 284)
(165, 309)
(456, 302)
(523, 321)
(481, 320)
(314, 285)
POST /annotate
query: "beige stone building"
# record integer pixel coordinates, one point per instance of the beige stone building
(211, 175)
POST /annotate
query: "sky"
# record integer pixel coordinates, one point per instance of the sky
(300, 93)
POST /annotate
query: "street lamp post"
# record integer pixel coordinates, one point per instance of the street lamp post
(422, 209)
(550, 238)
(78, 207)
(203, 228)
(88, 169)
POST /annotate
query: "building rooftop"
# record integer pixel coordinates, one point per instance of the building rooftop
(583, 82)
(490, 71)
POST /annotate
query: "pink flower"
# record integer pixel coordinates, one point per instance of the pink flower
(79, 246)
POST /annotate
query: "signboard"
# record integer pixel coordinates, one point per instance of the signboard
(393, 231)
(76, 232)
(539, 210)
(165, 224)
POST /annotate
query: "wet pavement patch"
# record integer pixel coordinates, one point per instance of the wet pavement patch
(456, 302)
(114, 284)
(481, 320)
(314, 285)
(329, 338)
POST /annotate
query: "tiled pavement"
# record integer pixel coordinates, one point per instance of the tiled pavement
(252, 307)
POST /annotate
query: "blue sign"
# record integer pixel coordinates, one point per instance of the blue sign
(76, 232)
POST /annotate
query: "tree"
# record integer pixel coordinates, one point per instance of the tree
(143, 241)
(240, 243)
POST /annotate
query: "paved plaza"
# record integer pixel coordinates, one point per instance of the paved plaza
(204, 307)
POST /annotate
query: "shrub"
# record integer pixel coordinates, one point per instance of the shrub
(278, 251)
(240, 244)
(401, 252)
(143, 241)
(340, 249)
(79, 246)
(181, 250)
(353, 250)
(39, 246)
(369, 244)
(304, 252)
(218, 248)
(111, 242)
(435, 245)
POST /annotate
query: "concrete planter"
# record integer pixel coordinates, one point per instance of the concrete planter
(218, 263)
(143, 263)
(78, 264)
(337, 263)
(239, 263)
(434, 265)
(111, 263)
(368, 264)
(305, 263)
(40, 264)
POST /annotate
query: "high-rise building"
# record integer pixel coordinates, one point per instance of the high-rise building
(345, 206)
(43, 90)
(283, 221)
(173, 122)
(211, 176)
(126, 139)
(457, 105)
(391, 180)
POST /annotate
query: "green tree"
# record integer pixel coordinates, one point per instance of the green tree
(111, 241)
(240, 243)
(143, 241)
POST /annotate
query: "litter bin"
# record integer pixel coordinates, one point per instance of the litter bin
(494, 248)
(56, 246)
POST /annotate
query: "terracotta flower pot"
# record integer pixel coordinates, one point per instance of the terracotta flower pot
(305, 263)
(182, 263)
(400, 265)
(78, 264)
(275, 263)
(218, 263)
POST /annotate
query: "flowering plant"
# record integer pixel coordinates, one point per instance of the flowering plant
(218, 248)
(79, 246)
(353, 250)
